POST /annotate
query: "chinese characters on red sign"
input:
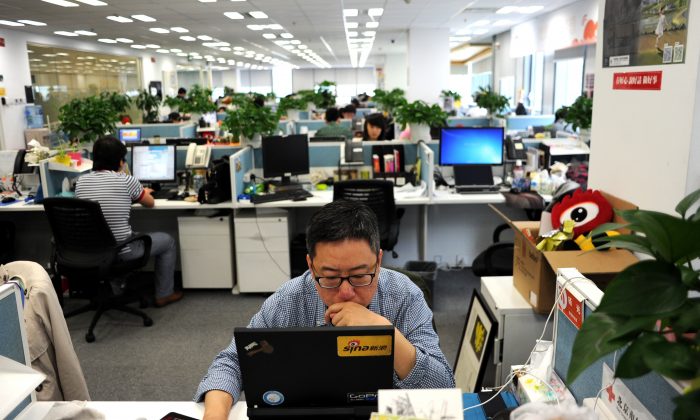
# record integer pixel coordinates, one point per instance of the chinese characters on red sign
(643, 80)
(572, 307)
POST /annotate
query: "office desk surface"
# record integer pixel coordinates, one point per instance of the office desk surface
(321, 198)
(448, 197)
(159, 205)
(133, 410)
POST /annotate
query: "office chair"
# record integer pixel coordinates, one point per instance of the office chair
(379, 196)
(85, 252)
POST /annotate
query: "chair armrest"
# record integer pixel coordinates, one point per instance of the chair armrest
(497, 232)
(146, 246)
(488, 256)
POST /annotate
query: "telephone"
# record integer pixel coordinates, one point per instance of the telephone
(515, 149)
(197, 156)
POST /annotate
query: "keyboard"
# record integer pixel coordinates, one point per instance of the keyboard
(294, 195)
(164, 194)
(466, 189)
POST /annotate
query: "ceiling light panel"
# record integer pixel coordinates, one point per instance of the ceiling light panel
(107, 40)
(120, 19)
(143, 18)
(188, 38)
(65, 33)
(62, 3)
(10, 23)
(375, 12)
(258, 14)
(179, 29)
(372, 25)
(269, 36)
(350, 12)
(159, 30)
(234, 15)
(92, 2)
(86, 33)
(31, 22)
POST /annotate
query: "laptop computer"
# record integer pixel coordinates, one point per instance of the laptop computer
(321, 372)
(474, 179)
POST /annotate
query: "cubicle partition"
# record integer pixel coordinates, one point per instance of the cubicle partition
(315, 125)
(184, 130)
(468, 122)
(522, 122)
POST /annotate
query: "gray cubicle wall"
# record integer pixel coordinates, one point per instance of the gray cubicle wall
(184, 130)
(11, 345)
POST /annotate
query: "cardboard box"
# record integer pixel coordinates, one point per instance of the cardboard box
(534, 271)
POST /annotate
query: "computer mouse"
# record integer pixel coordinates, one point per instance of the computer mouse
(8, 199)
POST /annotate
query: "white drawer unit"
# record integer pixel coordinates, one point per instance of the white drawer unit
(518, 327)
(206, 252)
(262, 249)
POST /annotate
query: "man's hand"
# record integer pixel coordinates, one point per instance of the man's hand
(148, 191)
(350, 314)
(147, 199)
(217, 405)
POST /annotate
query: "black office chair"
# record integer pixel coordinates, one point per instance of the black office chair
(85, 252)
(379, 196)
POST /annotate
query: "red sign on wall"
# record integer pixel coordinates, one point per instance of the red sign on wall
(641, 80)
(572, 307)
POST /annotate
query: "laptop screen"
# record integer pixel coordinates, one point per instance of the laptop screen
(316, 367)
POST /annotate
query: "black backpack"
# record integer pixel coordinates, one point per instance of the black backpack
(217, 188)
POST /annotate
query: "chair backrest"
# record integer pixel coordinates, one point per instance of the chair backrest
(376, 193)
(80, 232)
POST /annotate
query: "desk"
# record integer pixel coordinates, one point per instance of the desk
(133, 410)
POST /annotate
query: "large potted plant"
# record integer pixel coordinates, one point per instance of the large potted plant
(492, 102)
(647, 308)
(148, 104)
(420, 116)
(325, 95)
(197, 102)
(580, 116)
(86, 119)
(249, 122)
(290, 106)
(388, 101)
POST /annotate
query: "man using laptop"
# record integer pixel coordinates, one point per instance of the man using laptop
(344, 286)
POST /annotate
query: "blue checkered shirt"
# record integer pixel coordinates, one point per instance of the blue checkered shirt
(297, 304)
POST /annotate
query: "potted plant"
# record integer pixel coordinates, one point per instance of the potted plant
(449, 100)
(290, 106)
(580, 115)
(325, 95)
(647, 308)
(388, 101)
(249, 123)
(86, 119)
(492, 102)
(148, 104)
(420, 116)
(198, 101)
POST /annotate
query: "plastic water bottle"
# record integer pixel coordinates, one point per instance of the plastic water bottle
(518, 171)
(534, 181)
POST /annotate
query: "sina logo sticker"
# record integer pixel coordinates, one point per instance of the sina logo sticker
(353, 344)
(273, 398)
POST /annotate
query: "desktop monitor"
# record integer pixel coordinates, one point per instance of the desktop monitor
(154, 163)
(285, 156)
(344, 368)
(130, 135)
(471, 146)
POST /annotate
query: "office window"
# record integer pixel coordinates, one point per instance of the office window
(568, 81)
(258, 81)
(537, 84)
(349, 81)
(60, 75)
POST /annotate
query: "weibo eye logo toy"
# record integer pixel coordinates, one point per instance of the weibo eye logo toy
(588, 209)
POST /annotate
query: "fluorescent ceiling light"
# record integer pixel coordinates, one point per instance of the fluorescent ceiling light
(92, 2)
(120, 19)
(351, 25)
(269, 36)
(256, 27)
(372, 25)
(162, 51)
(205, 37)
(376, 11)
(239, 64)
(506, 10)
(349, 12)
(240, 48)
(188, 38)
(143, 18)
(107, 40)
(234, 15)
(287, 35)
(530, 9)
(257, 14)
(62, 3)
(179, 29)
(207, 1)
(481, 22)
(231, 62)
(62, 54)
(138, 47)
(31, 22)
(352, 33)
(86, 33)
(175, 50)
(154, 46)
(159, 30)
(65, 33)
(238, 52)
(369, 33)
(302, 47)
(295, 42)
(502, 22)
(182, 54)
(10, 23)
(275, 27)
(225, 49)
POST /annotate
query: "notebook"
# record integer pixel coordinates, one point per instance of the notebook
(321, 372)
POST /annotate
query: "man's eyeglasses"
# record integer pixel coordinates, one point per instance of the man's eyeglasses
(355, 280)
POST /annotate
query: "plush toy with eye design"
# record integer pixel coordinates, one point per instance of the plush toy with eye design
(588, 209)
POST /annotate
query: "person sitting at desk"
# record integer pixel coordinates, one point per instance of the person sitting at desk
(333, 127)
(116, 191)
(344, 286)
(375, 127)
(348, 112)
(174, 117)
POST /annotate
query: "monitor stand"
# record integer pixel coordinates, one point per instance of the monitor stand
(286, 184)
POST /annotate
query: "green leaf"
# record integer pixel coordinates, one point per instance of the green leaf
(689, 320)
(606, 227)
(645, 288)
(631, 364)
(687, 203)
(594, 340)
(690, 278)
(672, 238)
(687, 406)
(673, 360)
(634, 243)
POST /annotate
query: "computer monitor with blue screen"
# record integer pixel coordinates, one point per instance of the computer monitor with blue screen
(130, 135)
(154, 164)
(285, 156)
(471, 146)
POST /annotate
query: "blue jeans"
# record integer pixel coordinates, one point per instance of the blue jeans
(164, 250)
